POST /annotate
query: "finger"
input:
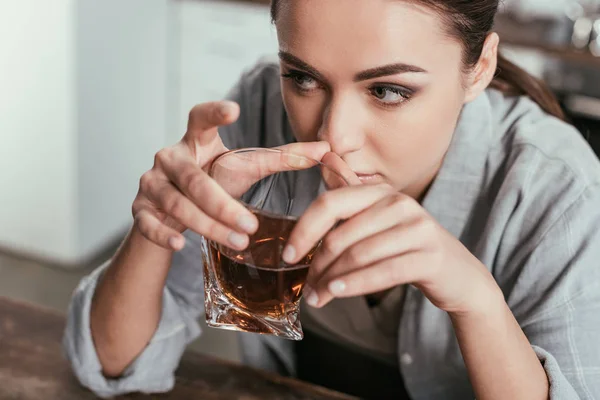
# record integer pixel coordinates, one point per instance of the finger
(238, 171)
(314, 150)
(185, 212)
(384, 215)
(337, 173)
(208, 195)
(155, 231)
(376, 278)
(205, 118)
(392, 242)
(265, 162)
(326, 211)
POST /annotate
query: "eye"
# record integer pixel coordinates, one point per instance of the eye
(303, 82)
(390, 95)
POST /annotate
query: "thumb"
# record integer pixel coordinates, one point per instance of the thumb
(205, 118)
(314, 150)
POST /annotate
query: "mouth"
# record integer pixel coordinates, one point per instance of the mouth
(370, 178)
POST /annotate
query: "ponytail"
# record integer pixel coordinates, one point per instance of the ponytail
(514, 80)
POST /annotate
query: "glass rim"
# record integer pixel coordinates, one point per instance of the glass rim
(274, 150)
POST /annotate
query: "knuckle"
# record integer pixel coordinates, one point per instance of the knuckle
(175, 206)
(209, 228)
(401, 202)
(400, 199)
(396, 201)
(194, 112)
(146, 182)
(162, 156)
(185, 176)
(329, 245)
(386, 188)
(212, 228)
(194, 183)
(143, 224)
(136, 207)
(355, 255)
(427, 225)
(158, 158)
(222, 208)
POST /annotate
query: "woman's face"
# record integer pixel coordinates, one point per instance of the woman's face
(379, 80)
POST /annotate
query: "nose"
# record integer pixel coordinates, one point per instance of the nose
(341, 126)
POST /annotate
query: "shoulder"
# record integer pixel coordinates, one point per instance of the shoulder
(525, 133)
(263, 121)
(544, 162)
(543, 194)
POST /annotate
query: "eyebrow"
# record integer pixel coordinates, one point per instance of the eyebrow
(298, 63)
(377, 72)
(387, 70)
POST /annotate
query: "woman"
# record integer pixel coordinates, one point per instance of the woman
(467, 264)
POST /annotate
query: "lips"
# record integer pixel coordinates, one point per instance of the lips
(370, 178)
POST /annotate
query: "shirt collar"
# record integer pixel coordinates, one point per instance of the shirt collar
(453, 193)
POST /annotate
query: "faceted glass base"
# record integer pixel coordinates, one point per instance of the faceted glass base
(225, 312)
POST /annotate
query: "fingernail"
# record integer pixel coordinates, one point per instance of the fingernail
(175, 243)
(247, 224)
(337, 287)
(237, 239)
(289, 254)
(312, 299)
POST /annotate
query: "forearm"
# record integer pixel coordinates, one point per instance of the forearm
(499, 358)
(126, 308)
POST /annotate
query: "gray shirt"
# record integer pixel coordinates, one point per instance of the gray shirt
(364, 329)
(520, 189)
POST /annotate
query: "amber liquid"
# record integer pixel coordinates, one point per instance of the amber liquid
(257, 279)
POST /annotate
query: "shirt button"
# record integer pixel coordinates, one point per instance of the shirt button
(406, 359)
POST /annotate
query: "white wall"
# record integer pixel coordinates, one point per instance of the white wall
(37, 126)
(219, 40)
(89, 90)
(122, 108)
(83, 94)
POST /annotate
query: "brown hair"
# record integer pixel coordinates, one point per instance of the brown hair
(471, 21)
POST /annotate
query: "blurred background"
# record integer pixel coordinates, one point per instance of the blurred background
(90, 90)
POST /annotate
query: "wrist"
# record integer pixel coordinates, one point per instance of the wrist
(487, 302)
(139, 261)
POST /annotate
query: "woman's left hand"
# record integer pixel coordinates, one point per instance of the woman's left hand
(387, 239)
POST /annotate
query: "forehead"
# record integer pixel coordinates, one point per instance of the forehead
(364, 33)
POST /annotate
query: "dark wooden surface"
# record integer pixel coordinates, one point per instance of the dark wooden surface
(32, 367)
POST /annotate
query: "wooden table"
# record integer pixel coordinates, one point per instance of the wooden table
(32, 367)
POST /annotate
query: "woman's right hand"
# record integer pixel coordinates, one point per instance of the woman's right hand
(177, 193)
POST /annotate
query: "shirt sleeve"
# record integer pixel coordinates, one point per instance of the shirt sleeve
(556, 299)
(153, 370)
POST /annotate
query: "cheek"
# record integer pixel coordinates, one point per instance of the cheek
(418, 135)
(304, 113)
